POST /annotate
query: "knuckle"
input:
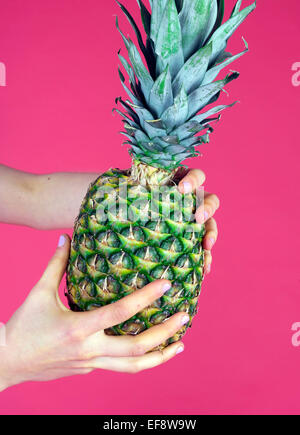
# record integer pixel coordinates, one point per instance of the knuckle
(161, 357)
(81, 354)
(76, 353)
(138, 349)
(74, 335)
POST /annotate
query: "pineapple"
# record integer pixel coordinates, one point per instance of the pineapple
(134, 226)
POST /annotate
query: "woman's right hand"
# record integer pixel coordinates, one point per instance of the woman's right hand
(46, 341)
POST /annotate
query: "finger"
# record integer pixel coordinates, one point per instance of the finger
(135, 364)
(208, 208)
(207, 262)
(192, 181)
(57, 265)
(98, 345)
(211, 234)
(122, 310)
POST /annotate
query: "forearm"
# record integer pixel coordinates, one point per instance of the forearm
(41, 201)
(58, 198)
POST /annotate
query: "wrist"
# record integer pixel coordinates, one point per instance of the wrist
(6, 378)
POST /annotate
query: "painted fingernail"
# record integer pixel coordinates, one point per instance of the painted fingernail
(61, 241)
(187, 187)
(206, 215)
(185, 320)
(208, 269)
(179, 350)
(211, 242)
(166, 287)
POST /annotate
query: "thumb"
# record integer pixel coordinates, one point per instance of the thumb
(58, 263)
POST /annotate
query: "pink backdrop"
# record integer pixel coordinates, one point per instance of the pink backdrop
(56, 115)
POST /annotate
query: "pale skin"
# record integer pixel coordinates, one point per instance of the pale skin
(75, 343)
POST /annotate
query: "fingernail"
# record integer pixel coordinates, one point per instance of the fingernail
(62, 241)
(179, 350)
(185, 320)
(166, 287)
(208, 269)
(187, 187)
(211, 242)
(206, 215)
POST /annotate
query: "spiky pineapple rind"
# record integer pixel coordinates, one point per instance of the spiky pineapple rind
(113, 257)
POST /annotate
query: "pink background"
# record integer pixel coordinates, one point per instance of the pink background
(61, 59)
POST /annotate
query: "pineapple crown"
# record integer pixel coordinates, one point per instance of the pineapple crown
(185, 51)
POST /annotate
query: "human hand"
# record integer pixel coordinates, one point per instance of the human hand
(46, 341)
(191, 181)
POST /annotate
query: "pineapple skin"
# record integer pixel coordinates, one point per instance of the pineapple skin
(113, 256)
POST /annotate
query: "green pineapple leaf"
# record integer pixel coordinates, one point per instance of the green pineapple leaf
(223, 33)
(123, 115)
(143, 114)
(193, 71)
(169, 41)
(146, 17)
(154, 131)
(135, 28)
(129, 109)
(203, 116)
(139, 68)
(222, 56)
(197, 20)
(187, 130)
(236, 8)
(203, 95)
(213, 72)
(179, 4)
(134, 99)
(220, 16)
(221, 10)
(158, 7)
(185, 50)
(178, 113)
(128, 69)
(161, 95)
